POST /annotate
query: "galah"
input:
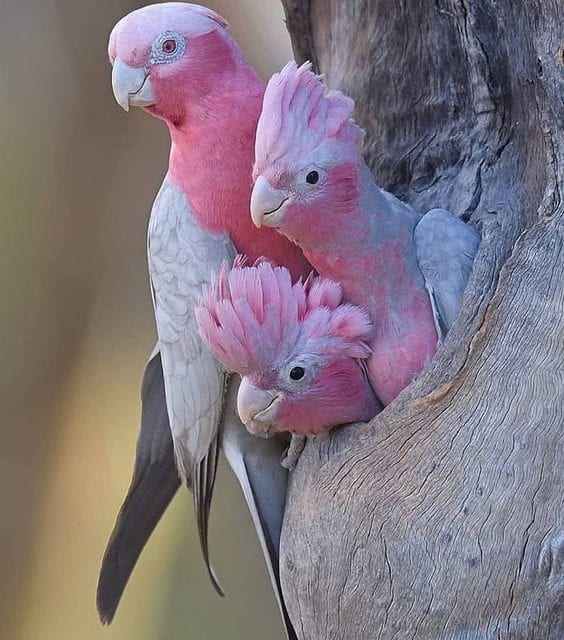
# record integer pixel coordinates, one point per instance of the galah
(311, 183)
(299, 349)
(177, 62)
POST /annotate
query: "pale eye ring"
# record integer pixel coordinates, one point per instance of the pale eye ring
(167, 47)
(297, 373)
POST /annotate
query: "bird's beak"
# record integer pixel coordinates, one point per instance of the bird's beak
(267, 204)
(257, 408)
(131, 85)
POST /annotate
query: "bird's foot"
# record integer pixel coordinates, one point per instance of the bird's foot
(290, 457)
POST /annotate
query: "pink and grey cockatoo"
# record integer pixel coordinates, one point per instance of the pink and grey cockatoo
(298, 347)
(177, 61)
(311, 183)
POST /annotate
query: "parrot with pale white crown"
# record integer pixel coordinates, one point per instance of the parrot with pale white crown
(310, 182)
(299, 349)
(178, 63)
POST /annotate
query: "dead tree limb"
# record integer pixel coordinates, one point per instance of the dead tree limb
(444, 518)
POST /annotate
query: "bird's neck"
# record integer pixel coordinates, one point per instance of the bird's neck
(211, 159)
(374, 249)
(212, 153)
(374, 258)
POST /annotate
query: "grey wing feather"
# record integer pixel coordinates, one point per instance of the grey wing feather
(153, 485)
(182, 258)
(446, 248)
(203, 482)
(263, 480)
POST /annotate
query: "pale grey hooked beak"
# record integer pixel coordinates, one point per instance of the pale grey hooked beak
(257, 408)
(131, 85)
(267, 203)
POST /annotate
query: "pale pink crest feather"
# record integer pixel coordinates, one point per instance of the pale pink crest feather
(254, 318)
(299, 113)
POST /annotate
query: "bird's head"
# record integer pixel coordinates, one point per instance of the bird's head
(298, 348)
(167, 56)
(307, 156)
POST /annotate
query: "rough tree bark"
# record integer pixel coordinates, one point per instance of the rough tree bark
(444, 517)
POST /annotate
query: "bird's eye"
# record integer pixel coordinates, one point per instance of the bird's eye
(169, 46)
(297, 373)
(312, 177)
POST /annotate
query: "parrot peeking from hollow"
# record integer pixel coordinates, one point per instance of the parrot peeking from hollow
(299, 349)
(178, 63)
(310, 182)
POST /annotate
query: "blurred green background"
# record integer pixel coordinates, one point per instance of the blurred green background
(77, 178)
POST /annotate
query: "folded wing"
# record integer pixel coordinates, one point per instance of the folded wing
(446, 248)
(182, 258)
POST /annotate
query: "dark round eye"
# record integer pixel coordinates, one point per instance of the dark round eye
(169, 46)
(312, 177)
(297, 373)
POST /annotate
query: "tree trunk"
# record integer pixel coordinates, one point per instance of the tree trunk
(444, 517)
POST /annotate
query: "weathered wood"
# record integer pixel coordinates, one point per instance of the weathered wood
(444, 518)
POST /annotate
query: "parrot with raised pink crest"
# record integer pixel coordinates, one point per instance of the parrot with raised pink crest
(177, 62)
(310, 182)
(299, 349)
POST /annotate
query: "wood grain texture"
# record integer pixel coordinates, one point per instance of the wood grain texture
(444, 518)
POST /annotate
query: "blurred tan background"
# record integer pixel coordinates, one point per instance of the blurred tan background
(77, 178)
